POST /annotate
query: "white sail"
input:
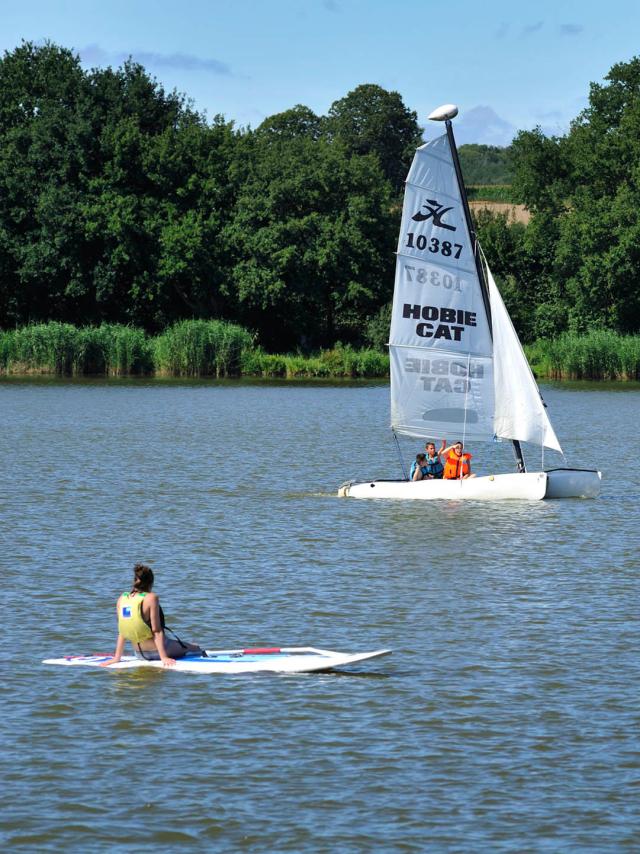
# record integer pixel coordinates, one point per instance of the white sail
(519, 410)
(440, 340)
(456, 370)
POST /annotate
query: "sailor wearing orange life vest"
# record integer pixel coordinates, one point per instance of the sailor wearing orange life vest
(457, 465)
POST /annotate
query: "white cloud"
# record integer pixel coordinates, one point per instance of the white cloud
(529, 29)
(571, 29)
(95, 55)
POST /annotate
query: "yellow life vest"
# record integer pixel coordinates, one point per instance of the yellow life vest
(131, 624)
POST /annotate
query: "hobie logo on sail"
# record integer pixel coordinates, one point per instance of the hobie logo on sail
(451, 322)
(434, 211)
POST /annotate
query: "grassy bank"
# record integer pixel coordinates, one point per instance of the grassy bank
(599, 355)
(213, 348)
(191, 348)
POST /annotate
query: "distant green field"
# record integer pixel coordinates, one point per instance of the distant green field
(491, 193)
(486, 164)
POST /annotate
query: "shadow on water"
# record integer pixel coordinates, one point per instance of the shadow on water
(358, 674)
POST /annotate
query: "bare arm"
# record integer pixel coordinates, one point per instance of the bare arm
(156, 628)
(117, 655)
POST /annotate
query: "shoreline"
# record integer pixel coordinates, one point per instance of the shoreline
(53, 379)
(215, 349)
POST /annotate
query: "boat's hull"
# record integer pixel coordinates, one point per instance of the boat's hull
(498, 487)
(573, 483)
(277, 660)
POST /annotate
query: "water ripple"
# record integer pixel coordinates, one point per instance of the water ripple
(507, 718)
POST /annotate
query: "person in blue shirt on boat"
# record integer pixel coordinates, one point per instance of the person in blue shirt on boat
(419, 467)
(434, 464)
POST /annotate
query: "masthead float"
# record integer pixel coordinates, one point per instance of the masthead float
(457, 366)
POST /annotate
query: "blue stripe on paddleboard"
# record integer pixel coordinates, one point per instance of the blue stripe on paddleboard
(230, 659)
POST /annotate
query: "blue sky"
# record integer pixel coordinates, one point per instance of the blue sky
(507, 65)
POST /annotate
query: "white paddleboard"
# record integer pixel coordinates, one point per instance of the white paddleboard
(263, 659)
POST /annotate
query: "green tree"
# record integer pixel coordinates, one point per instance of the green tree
(540, 171)
(41, 163)
(313, 236)
(372, 120)
(298, 121)
(113, 195)
(584, 192)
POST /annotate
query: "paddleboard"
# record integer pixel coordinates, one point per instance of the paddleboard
(302, 659)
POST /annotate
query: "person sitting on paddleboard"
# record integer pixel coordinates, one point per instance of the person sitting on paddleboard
(434, 466)
(457, 463)
(141, 622)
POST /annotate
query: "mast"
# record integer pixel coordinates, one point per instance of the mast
(467, 215)
(447, 113)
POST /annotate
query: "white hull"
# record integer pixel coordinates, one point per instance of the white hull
(495, 487)
(573, 483)
(283, 660)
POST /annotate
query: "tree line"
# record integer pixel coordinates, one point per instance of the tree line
(121, 204)
(575, 268)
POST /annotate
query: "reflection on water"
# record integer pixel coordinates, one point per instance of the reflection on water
(506, 718)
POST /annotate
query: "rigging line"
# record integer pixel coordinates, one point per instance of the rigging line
(404, 471)
(464, 425)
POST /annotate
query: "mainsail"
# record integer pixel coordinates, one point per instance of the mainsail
(457, 367)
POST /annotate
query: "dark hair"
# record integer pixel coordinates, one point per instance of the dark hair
(143, 578)
(420, 457)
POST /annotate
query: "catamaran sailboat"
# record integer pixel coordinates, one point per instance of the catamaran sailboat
(457, 366)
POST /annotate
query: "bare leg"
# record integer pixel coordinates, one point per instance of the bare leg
(176, 650)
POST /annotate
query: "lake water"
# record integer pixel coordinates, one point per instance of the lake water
(506, 720)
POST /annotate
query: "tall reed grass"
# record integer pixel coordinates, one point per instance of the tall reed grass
(338, 362)
(191, 348)
(196, 348)
(63, 349)
(598, 355)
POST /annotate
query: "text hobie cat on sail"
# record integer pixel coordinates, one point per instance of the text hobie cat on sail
(457, 366)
